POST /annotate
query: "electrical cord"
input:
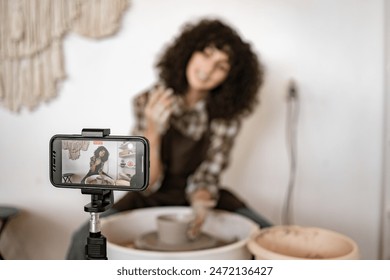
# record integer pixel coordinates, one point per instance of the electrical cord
(292, 149)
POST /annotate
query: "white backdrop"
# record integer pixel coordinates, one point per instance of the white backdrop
(334, 50)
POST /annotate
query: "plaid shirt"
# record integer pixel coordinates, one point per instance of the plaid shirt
(194, 123)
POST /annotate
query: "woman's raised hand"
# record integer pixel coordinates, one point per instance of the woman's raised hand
(159, 108)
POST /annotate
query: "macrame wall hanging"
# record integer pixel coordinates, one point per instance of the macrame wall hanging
(31, 38)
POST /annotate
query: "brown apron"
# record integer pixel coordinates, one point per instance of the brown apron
(181, 157)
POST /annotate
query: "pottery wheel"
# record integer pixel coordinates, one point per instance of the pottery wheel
(150, 241)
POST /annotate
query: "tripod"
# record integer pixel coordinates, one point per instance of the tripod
(101, 200)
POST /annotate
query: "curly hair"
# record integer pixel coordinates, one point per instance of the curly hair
(106, 154)
(237, 95)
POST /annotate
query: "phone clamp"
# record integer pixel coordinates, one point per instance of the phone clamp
(95, 132)
(101, 200)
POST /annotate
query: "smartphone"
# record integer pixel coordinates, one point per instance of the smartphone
(110, 162)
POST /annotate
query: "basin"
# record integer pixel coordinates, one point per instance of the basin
(122, 230)
(297, 242)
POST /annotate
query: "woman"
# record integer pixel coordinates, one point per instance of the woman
(209, 80)
(96, 164)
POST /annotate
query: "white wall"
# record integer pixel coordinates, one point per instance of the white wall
(332, 49)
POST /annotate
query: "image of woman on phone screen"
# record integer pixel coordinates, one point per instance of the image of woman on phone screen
(209, 80)
(96, 164)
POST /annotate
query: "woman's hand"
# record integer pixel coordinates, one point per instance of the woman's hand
(201, 203)
(98, 161)
(159, 108)
(94, 162)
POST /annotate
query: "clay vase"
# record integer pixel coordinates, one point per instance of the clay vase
(172, 229)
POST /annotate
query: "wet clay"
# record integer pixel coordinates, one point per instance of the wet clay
(151, 241)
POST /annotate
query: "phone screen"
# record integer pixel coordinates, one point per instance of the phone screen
(108, 163)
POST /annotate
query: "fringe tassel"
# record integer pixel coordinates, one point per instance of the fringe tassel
(31, 35)
(99, 18)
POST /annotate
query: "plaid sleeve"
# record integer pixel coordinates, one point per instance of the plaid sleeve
(207, 175)
(139, 104)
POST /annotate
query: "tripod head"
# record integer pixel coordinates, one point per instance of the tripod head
(101, 200)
